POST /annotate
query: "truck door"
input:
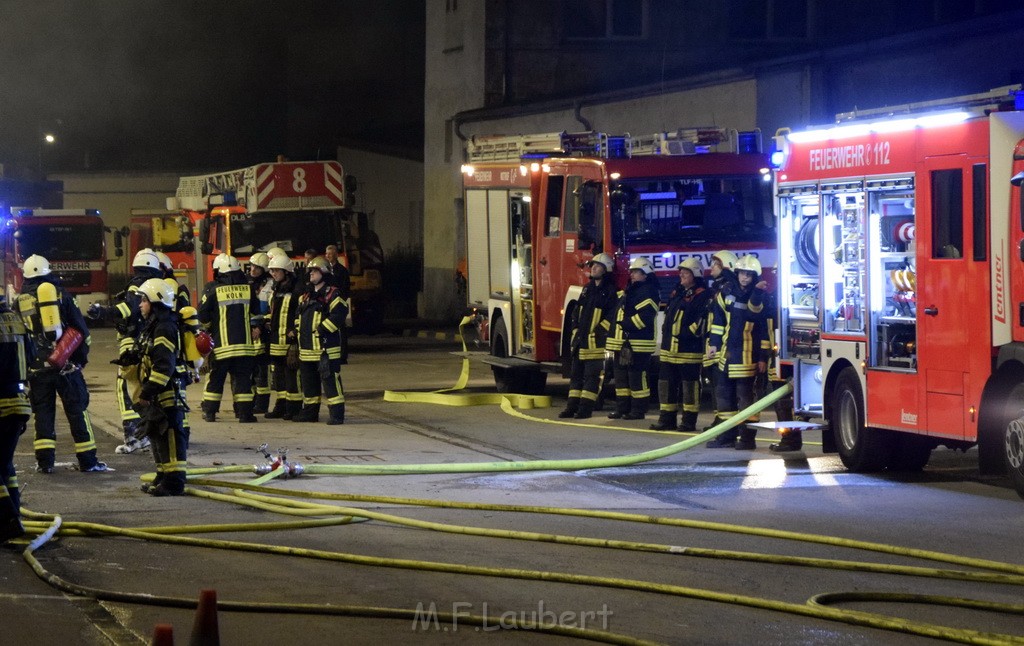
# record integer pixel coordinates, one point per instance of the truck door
(952, 301)
(560, 258)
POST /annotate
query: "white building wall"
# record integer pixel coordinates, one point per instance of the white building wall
(454, 82)
(390, 190)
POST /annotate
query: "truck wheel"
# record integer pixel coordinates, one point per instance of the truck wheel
(909, 452)
(506, 380)
(860, 448)
(1013, 441)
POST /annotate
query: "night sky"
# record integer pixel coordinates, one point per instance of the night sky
(181, 84)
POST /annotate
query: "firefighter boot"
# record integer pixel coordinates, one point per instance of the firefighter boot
(245, 412)
(585, 410)
(746, 441)
(688, 423)
(310, 413)
(260, 404)
(666, 421)
(10, 523)
(726, 440)
(292, 409)
(621, 408)
(336, 414)
(209, 411)
(280, 409)
(791, 441)
(571, 407)
(638, 409)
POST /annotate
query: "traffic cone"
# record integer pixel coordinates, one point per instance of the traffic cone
(205, 631)
(163, 635)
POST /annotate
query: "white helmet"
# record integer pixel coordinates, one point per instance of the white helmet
(157, 291)
(260, 259)
(726, 257)
(146, 258)
(225, 263)
(643, 264)
(164, 259)
(36, 265)
(749, 263)
(693, 264)
(277, 251)
(603, 259)
(281, 262)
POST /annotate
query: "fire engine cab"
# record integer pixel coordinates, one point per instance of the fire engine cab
(901, 242)
(538, 207)
(73, 240)
(292, 205)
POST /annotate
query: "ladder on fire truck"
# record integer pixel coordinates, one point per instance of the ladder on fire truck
(684, 141)
(975, 102)
(194, 192)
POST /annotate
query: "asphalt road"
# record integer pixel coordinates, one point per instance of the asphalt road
(947, 508)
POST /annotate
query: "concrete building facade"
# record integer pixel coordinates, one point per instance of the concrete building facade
(493, 67)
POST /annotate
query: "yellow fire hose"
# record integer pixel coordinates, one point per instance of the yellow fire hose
(250, 495)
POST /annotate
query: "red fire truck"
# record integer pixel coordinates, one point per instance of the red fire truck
(72, 240)
(171, 233)
(902, 279)
(292, 205)
(538, 207)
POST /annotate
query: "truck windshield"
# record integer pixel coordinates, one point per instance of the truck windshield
(293, 231)
(57, 242)
(692, 209)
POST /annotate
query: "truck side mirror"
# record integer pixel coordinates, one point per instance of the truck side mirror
(205, 246)
(118, 243)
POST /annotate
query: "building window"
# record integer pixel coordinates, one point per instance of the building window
(769, 19)
(605, 19)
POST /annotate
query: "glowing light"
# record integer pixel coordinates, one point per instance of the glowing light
(527, 199)
(546, 168)
(468, 170)
(534, 167)
(514, 270)
(523, 169)
(615, 175)
(49, 138)
(879, 127)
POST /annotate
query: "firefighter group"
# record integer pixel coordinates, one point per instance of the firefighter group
(270, 330)
(719, 331)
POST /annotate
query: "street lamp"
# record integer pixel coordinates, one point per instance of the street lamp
(48, 139)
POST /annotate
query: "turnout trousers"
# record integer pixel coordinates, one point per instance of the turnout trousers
(45, 387)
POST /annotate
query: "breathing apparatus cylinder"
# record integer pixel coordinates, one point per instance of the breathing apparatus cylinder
(49, 311)
(190, 318)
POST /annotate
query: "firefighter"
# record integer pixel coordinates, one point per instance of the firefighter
(320, 315)
(182, 297)
(125, 315)
(61, 340)
(15, 353)
(341, 279)
(633, 340)
(682, 350)
(225, 309)
(280, 323)
(591, 322)
(263, 286)
(736, 341)
(160, 401)
(723, 281)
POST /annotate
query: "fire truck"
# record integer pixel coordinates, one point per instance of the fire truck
(292, 205)
(171, 233)
(901, 236)
(538, 207)
(74, 242)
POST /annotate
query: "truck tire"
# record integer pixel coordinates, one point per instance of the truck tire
(1013, 442)
(861, 449)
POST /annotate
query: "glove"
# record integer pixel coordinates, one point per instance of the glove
(96, 312)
